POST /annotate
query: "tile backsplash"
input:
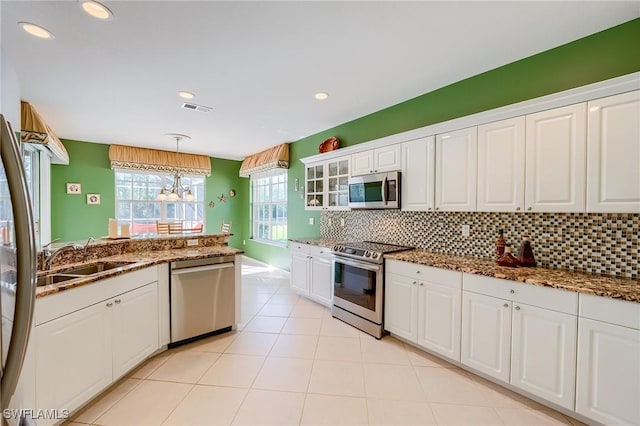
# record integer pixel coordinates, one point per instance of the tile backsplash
(600, 243)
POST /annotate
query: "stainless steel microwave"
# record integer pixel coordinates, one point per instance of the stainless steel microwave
(376, 191)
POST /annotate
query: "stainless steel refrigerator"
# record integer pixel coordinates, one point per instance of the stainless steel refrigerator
(18, 270)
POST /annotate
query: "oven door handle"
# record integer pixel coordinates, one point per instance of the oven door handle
(357, 264)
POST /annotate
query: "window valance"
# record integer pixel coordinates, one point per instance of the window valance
(35, 130)
(129, 157)
(272, 158)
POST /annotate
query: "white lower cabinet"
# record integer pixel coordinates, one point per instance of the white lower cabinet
(608, 377)
(87, 338)
(543, 353)
(73, 357)
(135, 328)
(423, 304)
(439, 317)
(300, 265)
(311, 272)
(401, 306)
(486, 334)
(521, 334)
(320, 289)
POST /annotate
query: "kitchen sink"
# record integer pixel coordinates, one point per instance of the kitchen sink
(54, 279)
(94, 268)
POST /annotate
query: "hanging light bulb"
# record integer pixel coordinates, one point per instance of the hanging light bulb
(176, 190)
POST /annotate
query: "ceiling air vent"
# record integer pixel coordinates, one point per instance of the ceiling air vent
(194, 107)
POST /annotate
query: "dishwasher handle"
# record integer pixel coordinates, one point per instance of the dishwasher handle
(202, 268)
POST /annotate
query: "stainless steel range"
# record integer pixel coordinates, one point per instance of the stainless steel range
(358, 284)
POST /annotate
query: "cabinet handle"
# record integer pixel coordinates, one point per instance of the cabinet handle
(517, 209)
(529, 208)
(512, 291)
(429, 208)
(517, 308)
(118, 301)
(414, 283)
(506, 305)
(370, 171)
(109, 304)
(417, 272)
(421, 283)
(437, 208)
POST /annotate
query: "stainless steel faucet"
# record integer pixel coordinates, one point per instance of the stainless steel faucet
(84, 249)
(50, 255)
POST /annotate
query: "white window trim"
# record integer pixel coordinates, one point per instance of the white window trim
(163, 204)
(262, 175)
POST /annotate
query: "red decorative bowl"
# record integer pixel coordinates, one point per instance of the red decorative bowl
(329, 145)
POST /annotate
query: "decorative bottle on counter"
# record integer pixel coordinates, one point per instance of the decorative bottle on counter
(525, 254)
(500, 244)
(507, 259)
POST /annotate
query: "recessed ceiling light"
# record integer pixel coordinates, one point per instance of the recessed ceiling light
(36, 30)
(96, 9)
(186, 95)
(321, 96)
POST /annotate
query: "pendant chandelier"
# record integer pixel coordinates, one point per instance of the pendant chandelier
(176, 191)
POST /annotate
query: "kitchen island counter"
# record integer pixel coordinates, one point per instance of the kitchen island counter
(139, 260)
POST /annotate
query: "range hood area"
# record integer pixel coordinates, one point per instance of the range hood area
(35, 131)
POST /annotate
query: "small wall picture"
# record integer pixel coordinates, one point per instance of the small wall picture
(74, 188)
(93, 198)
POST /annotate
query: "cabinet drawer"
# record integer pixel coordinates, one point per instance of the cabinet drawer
(318, 251)
(613, 311)
(425, 273)
(300, 248)
(543, 297)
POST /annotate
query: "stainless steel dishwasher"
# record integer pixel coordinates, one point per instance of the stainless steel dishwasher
(202, 298)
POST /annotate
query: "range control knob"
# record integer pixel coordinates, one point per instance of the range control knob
(367, 253)
(338, 248)
(375, 255)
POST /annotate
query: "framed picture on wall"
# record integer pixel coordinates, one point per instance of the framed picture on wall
(74, 188)
(93, 198)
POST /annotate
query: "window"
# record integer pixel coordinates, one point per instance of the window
(136, 203)
(269, 207)
(31, 160)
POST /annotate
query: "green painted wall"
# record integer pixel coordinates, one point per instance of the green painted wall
(607, 54)
(71, 217)
(74, 219)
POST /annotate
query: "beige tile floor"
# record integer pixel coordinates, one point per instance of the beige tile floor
(292, 363)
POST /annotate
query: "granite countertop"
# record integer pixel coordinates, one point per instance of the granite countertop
(315, 241)
(140, 260)
(599, 285)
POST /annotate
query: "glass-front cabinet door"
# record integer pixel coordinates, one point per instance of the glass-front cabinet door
(327, 185)
(314, 186)
(338, 183)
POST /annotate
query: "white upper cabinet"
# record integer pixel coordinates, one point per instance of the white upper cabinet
(456, 165)
(327, 185)
(337, 187)
(314, 191)
(379, 160)
(418, 174)
(613, 154)
(556, 160)
(501, 165)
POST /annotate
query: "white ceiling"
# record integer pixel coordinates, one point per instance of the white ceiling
(258, 64)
